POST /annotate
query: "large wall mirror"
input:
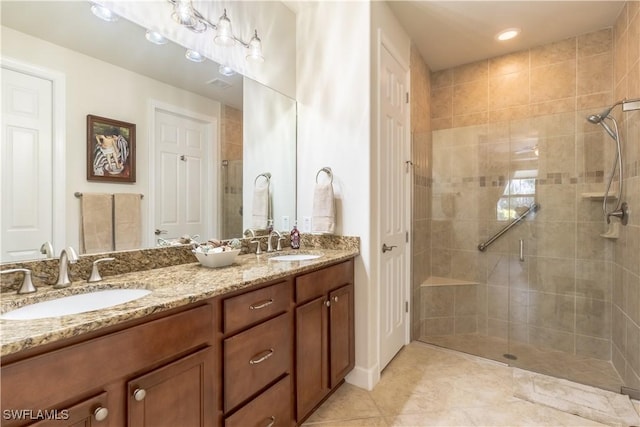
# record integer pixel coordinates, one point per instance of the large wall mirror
(85, 66)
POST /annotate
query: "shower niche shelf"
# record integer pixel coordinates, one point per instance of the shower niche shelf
(598, 195)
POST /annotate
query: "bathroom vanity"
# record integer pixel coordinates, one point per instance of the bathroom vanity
(258, 343)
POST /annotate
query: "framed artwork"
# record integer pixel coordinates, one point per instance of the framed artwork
(111, 150)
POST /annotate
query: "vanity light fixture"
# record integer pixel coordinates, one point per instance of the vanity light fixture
(194, 56)
(507, 34)
(185, 14)
(103, 13)
(155, 37)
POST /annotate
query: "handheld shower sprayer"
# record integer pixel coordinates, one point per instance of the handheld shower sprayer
(621, 211)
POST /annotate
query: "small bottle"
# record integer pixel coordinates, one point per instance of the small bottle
(295, 237)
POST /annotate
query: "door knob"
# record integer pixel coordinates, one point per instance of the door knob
(386, 248)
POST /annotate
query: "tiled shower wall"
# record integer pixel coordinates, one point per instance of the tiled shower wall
(626, 284)
(421, 155)
(523, 116)
(231, 171)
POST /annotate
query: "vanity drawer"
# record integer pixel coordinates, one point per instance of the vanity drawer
(256, 357)
(321, 282)
(252, 307)
(271, 408)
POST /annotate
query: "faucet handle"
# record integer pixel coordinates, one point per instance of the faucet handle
(95, 273)
(27, 285)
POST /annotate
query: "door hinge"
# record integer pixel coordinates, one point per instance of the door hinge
(406, 306)
(407, 97)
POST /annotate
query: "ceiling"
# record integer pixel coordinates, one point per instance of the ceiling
(72, 25)
(452, 33)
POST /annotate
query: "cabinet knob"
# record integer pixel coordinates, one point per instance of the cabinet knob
(327, 303)
(100, 414)
(335, 299)
(139, 394)
(272, 421)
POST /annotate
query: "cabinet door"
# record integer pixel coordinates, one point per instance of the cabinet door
(88, 413)
(178, 394)
(341, 334)
(312, 376)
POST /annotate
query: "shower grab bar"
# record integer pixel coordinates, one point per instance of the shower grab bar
(483, 246)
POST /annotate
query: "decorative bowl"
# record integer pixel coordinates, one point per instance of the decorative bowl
(214, 259)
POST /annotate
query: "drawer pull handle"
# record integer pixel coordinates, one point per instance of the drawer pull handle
(272, 421)
(139, 394)
(267, 354)
(100, 414)
(261, 304)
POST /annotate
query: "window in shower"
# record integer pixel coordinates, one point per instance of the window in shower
(518, 194)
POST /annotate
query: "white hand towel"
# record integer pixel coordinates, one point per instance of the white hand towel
(97, 223)
(127, 221)
(323, 219)
(260, 209)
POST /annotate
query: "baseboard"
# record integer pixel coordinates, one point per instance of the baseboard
(363, 377)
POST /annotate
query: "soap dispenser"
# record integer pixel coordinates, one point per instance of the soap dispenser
(295, 237)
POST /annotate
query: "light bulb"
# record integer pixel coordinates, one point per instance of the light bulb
(224, 34)
(255, 49)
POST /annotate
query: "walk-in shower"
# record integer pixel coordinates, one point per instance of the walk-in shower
(621, 210)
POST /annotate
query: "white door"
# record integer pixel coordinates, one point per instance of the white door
(394, 206)
(182, 186)
(26, 190)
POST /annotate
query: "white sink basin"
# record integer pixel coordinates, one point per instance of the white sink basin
(295, 257)
(75, 304)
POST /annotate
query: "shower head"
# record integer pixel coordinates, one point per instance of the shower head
(595, 118)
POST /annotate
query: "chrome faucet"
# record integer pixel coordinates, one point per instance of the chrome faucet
(27, 285)
(280, 239)
(70, 256)
(250, 232)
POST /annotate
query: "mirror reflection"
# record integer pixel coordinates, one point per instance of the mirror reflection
(202, 137)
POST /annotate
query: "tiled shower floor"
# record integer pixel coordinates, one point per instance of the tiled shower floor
(584, 370)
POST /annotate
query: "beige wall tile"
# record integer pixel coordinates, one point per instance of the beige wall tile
(553, 82)
(507, 64)
(594, 74)
(442, 78)
(595, 43)
(470, 72)
(553, 53)
(470, 97)
(509, 90)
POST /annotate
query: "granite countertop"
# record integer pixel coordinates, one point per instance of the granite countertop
(171, 287)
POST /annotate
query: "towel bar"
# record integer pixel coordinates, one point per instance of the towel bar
(79, 194)
(326, 170)
(266, 175)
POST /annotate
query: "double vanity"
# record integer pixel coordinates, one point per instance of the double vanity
(262, 342)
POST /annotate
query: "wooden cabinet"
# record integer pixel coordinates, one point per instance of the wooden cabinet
(93, 374)
(325, 347)
(178, 394)
(258, 357)
(250, 358)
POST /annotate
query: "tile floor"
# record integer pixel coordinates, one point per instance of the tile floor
(582, 369)
(425, 385)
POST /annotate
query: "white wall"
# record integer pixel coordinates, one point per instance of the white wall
(337, 127)
(334, 130)
(269, 134)
(276, 26)
(98, 88)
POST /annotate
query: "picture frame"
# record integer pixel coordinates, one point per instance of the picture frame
(111, 150)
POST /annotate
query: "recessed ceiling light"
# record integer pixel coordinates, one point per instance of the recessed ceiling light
(507, 34)
(155, 37)
(103, 13)
(225, 70)
(194, 56)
